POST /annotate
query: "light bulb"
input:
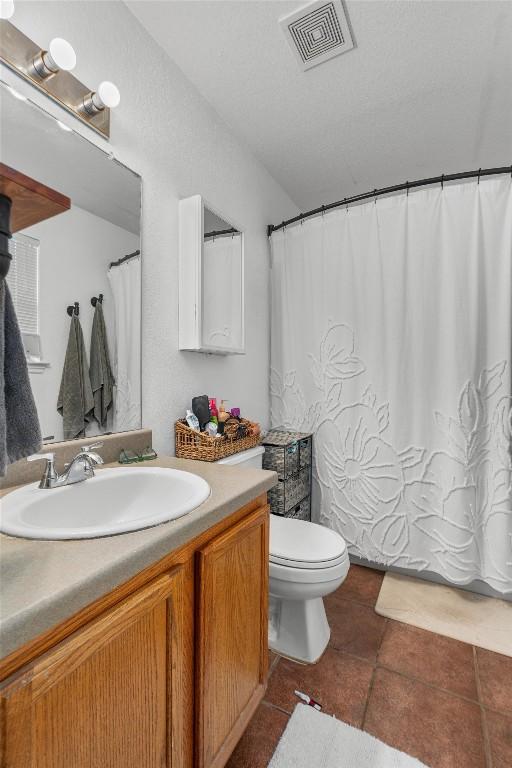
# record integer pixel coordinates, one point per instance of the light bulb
(60, 55)
(107, 95)
(6, 9)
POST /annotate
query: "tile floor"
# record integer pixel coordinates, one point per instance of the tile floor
(447, 703)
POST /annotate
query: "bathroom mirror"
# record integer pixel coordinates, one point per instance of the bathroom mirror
(75, 255)
(211, 280)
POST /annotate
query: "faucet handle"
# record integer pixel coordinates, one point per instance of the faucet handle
(38, 456)
(87, 448)
(50, 475)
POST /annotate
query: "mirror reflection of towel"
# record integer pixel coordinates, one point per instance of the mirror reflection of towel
(102, 379)
(20, 434)
(76, 401)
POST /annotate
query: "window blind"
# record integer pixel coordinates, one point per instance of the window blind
(23, 281)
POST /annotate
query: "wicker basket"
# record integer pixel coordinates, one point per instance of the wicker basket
(197, 445)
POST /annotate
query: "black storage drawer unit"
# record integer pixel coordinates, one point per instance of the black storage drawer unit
(302, 511)
(286, 452)
(287, 493)
(290, 455)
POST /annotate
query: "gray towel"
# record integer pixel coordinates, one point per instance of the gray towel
(76, 401)
(102, 379)
(20, 434)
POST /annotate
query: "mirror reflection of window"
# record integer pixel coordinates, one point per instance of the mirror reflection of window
(23, 281)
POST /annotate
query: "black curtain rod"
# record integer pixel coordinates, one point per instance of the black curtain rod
(219, 232)
(389, 190)
(125, 258)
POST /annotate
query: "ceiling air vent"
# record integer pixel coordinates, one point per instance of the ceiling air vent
(318, 32)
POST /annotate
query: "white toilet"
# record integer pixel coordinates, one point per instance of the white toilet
(307, 562)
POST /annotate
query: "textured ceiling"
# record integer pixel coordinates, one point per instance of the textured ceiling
(427, 89)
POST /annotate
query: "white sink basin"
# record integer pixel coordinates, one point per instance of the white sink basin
(114, 501)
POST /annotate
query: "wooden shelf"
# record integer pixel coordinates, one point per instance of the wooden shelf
(32, 201)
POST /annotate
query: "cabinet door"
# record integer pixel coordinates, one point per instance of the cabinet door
(231, 659)
(101, 698)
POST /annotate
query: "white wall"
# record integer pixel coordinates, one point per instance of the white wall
(166, 131)
(75, 251)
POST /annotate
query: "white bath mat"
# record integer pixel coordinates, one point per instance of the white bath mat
(315, 740)
(466, 616)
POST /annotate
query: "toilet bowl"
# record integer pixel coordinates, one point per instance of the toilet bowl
(306, 562)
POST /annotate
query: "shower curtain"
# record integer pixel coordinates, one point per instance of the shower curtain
(392, 342)
(125, 282)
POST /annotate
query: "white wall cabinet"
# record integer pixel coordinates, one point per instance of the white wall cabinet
(211, 281)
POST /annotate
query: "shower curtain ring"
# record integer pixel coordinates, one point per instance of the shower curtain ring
(375, 196)
(407, 187)
(442, 181)
(323, 210)
(479, 172)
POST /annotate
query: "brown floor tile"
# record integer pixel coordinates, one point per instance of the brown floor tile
(338, 682)
(429, 657)
(495, 673)
(259, 741)
(440, 729)
(362, 584)
(355, 628)
(500, 737)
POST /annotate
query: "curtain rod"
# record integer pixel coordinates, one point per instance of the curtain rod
(124, 258)
(218, 232)
(388, 190)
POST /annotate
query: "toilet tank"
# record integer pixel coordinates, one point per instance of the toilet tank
(251, 458)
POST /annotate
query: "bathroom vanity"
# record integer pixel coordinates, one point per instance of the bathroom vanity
(142, 650)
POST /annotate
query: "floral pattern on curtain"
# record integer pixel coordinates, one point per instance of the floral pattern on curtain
(411, 469)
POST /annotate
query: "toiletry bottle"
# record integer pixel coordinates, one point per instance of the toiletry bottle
(214, 414)
(223, 416)
(192, 421)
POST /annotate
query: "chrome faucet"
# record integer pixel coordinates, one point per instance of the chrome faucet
(81, 468)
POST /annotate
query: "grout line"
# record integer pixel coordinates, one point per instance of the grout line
(275, 706)
(367, 703)
(485, 730)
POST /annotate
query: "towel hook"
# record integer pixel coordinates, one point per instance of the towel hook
(95, 299)
(73, 309)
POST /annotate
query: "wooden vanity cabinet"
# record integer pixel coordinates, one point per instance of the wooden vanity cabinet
(166, 677)
(232, 630)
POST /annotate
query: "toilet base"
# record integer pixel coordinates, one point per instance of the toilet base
(298, 629)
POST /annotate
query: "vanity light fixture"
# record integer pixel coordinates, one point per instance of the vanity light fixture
(6, 9)
(50, 72)
(107, 95)
(60, 55)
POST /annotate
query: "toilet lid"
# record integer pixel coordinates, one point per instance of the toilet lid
(300, 544)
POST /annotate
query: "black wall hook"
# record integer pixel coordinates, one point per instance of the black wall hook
(73, 309)
(95, 299)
